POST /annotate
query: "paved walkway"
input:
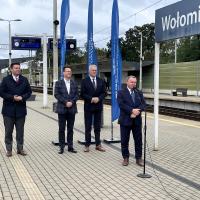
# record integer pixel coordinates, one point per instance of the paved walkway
(44, 174)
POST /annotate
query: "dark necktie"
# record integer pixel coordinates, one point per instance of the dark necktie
(17, 79)
(133, 95)
(94, 84)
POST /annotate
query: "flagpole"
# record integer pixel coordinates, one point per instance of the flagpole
(111, 126)
(112, 139)
(64, 16)
(112, 131)
(116, 68)
(91, 53)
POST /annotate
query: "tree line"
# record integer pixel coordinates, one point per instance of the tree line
(188, 48)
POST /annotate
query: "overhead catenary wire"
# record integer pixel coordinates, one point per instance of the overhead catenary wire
(127, 18)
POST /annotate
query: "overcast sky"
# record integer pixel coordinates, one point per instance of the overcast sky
(37, 17)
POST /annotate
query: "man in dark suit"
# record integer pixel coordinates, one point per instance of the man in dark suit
(93, 93)
(66, 92)
(131, 103)
(14, 90)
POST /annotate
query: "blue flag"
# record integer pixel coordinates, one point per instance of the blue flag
(64, 16)
(116, 60)
(91, 52)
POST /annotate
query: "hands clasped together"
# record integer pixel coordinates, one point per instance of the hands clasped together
(135, 112)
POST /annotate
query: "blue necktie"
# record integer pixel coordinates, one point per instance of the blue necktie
(133, 96)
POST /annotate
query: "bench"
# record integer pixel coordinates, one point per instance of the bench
(180, 90)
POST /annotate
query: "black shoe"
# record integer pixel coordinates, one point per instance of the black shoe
(72, 150)
(61, 151)
(21, 152)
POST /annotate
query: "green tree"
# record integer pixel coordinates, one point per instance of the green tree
(130, 43)
(167, 52)
(189, 49)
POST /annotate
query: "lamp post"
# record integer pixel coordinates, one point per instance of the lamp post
(9, 23)
(55, 44)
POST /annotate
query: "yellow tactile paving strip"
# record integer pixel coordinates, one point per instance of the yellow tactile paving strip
(30, 187)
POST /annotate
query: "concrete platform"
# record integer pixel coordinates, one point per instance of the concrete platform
(44, 174)
(187, 103)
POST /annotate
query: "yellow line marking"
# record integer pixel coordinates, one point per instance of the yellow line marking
(28, 183)
(108, 107)
(174, 122)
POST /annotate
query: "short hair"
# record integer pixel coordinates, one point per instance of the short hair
(130, 77)
(12, 64)
(65, 67)
(92, 65)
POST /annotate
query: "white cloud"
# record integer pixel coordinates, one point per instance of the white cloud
(37, 18)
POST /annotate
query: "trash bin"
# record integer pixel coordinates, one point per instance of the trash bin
(174, 93)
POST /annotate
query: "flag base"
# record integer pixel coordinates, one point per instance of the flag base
(56, 143)
(112, 140)
(83, 141)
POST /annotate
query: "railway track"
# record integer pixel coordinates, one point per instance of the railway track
(175, 112)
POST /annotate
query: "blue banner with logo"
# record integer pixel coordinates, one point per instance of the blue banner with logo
(177, 20)
(116, 60)
(64, 16)
(91, 52)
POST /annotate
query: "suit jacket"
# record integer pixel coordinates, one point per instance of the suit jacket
(8, 88)
(62, 96)
(88, 91)
(126, 105)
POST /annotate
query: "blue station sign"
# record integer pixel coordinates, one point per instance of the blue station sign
(177, 20)
(70, 44)
(26, 43)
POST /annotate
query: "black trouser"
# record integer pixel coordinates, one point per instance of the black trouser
(62, 119)
(9, 123)
(137, 136)
(93, 117)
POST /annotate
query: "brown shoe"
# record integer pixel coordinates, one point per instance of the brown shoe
(125, 162)
(86, 149)
(100, 148)
(21, 152)
(9, 153)
(140, 162)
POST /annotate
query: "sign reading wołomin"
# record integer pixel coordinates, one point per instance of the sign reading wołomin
(178, 20)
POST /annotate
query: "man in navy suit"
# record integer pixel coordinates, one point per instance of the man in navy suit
(131, 103)
(93, 93)
(66, 92)
(14, 90)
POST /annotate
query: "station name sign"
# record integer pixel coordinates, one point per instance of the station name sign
(177, 20)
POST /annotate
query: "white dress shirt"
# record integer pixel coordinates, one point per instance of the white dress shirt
(67, 83)
(16, 78)
(130, 91)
